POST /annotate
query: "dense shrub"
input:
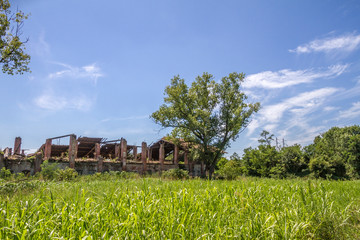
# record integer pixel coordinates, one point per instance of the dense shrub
(48, 170)
(5, 173)
(66, 174)
(231, 170)
(175, 173)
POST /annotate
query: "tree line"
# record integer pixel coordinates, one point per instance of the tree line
(334, 154)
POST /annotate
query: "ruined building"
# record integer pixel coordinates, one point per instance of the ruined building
(89, 155)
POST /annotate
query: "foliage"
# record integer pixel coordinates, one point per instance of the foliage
(12, 50)
(207, 114)
(266, 138)
(5, 173)
(192, 209)
(221, 163)
(336, 153)
(263, 161)
(48, 170)
(65, 174)
(292, 159)
(230, 171)
(175, 174)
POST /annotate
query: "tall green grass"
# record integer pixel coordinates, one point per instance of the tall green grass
(192, 209)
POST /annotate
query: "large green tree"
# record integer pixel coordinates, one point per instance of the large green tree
(208, 114)
(12, 49)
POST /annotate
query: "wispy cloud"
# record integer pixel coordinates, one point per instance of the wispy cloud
(92, 72)
(126, 118)
(330, 108)
(347, 43)
(302, 104)
(287, 77)
(50, 101)
(293, 114)
(40, 46)
(350, 113)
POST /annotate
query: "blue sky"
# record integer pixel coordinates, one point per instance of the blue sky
(99, 69)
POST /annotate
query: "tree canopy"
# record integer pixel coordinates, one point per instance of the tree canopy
(12, 50)
(208, 114)
(334, 154)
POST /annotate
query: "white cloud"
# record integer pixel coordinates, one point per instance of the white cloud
(254, 124)
(53, 102)
(287, 77)
(302, 104)
(347, 43)
(40, 46)
(92, 72)
(126, 118)
(352, 112)
(330, 108)
(292, 114)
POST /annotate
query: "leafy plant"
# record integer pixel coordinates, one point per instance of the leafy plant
(175, 173)
(66, 174)
(5, 173)
(230, 171)
(49, 170)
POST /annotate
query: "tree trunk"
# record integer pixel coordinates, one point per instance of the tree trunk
(211, 172)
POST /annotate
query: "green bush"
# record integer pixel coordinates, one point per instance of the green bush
(5, 173)
(231, 170)
(175, 173)
(48, 170)
(66, 174)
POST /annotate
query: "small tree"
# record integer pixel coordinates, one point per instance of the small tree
(208, 114)
(266, 138)
(12, 56)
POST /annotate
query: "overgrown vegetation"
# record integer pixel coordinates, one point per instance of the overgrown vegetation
(334, 154)
(175, 174)
(150, 208)
(57, 203)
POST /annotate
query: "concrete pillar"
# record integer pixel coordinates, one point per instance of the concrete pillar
(123, 153)
(162, 155)
(2, 161)
(37, 162)
(100, 164)
(143, 156)
(47, 151)
(117, 152)
(72, 151)
(97, 150)
(176, 155)
(99, 158)
(17, 145)
(135, 152)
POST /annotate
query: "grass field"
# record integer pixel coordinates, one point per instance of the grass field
(152, 208)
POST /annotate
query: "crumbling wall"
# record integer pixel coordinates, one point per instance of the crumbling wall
(91, 167)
